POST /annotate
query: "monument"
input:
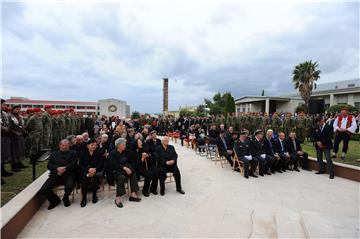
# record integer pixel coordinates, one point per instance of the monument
(165, 96)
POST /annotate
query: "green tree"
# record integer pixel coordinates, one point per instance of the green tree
(305, 76)
(222, 104)
(135, 115)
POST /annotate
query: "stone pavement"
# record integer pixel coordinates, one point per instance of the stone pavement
(218, 203)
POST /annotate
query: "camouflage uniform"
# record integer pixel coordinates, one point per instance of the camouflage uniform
(34, 127)
(300, 128)
(289, 124)
(276, 123)
(45, 142)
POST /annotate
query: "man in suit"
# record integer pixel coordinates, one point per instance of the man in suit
(167, 162)
(297, 155)
(243, 152)
(224, 147)
(323, 145)
(258, 152)
(281, 149)
(270, 151)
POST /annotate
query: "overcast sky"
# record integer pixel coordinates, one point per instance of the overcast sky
(84, 51)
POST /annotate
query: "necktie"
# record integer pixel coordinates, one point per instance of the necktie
(282, 147)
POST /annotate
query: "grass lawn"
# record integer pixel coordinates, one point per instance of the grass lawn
(352, 155)
(19, 181)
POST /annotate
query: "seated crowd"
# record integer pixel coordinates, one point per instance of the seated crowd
(85, 163)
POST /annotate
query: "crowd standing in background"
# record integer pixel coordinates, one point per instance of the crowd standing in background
(88, 149)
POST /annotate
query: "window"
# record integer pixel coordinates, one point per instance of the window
(60, 106)
(80, 107)
(342, 99)
(26, 106)
(38, 106)
(70, 106)
(351, 85)
(357, 105)
(91, 107)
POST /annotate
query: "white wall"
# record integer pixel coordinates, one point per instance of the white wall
(104, 107)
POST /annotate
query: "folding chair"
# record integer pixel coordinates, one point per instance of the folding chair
(169, 176)
(127, 188)
(219, 158)
(239, 163)
(210, 151)
(62, 187)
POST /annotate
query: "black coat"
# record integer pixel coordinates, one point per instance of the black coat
(115, 163)
(257, 147)
(324, 136)
(66, 159)
(242, 148)
(91, 161)
(221, 146)
(269, 146)
(163, 155)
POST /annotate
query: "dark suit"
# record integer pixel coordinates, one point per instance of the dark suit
(57, 159)
(295, 158)
(223, 145)
(270, 152)
(281, 150)
(324, 135)
(257, 149)
(164, 155)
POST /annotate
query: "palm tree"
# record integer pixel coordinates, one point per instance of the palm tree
(305, 76)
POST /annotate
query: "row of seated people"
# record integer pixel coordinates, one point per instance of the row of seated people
(152, 159)
(270, 154)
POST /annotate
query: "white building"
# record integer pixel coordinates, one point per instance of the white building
(108, 107)
(324, 96)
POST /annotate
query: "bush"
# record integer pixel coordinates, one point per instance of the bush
(337, 108)
(300, 108)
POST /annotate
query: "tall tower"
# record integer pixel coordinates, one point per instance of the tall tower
(165, 96)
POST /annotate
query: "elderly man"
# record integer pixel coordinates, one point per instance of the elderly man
(62, 165)
(344, 126)
(225, 148)
(270, 151)
(122, 171)
(258, 152)
(297, 155)
(167, 162)
(281, 149)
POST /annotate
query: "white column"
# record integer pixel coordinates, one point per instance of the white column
(267, 105)
(351, 100)
(332, 99)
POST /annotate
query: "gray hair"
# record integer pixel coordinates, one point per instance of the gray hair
(119, 141)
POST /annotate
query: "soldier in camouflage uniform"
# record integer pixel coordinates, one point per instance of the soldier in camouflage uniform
(67, 123)
(62, 125)
(34, 128)
(266, 122)
(289, 124)
(309, 124)
(45, 142)
(276, 123)
(56, 134)
(300, 124)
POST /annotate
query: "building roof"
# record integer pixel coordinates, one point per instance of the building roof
(15, 100)
(338, 85)
(250, 98)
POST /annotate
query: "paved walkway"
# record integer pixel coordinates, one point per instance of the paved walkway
(218, 203)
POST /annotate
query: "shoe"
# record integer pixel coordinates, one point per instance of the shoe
(5, 173)
(83, 203)
(180, 191)
(307, 169)
(252, 175)
(146, 194)
(66, 201)
(162, 192)
(54, 204)
(133, 199)
(154, 192)
(119, 205)
(332, 177)
(333, 156)
(267, 173)
(261, 174)
(279, 171)
(246, 176)
(237, 170)
(320, 172)
(296, 169)
(342, 158)
(272, 171)
(94, 199)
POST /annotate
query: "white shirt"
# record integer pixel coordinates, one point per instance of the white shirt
(352, 127)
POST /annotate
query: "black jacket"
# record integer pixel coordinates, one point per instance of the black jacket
(290, 145)
(91, 161)
(242, 148)
(269, 146)
(257, 147)
(66, 159)
(324, 136)
(115, 163)
(163, 155)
